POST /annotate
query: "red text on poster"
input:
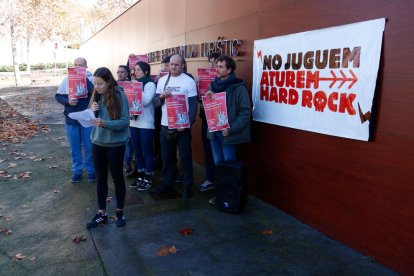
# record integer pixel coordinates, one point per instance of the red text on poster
(216, 111)
(177, 111)
(77, 83)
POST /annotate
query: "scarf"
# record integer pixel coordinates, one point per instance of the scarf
(219, 85)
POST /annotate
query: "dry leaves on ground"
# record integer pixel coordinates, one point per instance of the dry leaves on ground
(186, 231)
(14, 127)
(78, 238)
(267, 232)
(18, 257)
(166, 250)
(5, 230)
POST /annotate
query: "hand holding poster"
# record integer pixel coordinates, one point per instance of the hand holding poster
(133, 91)
(215, 109)
(77, 83)
(321, 81)
(177, 111)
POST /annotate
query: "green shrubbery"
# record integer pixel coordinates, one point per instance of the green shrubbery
(34, 67)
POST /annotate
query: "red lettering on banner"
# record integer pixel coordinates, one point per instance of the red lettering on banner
(290, 79)
(273, 95)
(264, 93)
(319, 101)
(265, 79)
(283, 95)
(293, 97)
(345, 103)
(307, 98)
(331, 105)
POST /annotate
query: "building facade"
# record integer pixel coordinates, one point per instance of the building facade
(360, 193)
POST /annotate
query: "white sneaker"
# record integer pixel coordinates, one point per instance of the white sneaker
(206, 185)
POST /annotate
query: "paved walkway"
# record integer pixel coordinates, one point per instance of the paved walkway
(45, 211)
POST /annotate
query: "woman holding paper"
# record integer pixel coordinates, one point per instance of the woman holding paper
(142, 129)
(109, 137)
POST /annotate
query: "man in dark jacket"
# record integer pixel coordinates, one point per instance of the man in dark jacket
(77, 134)
(224, 142)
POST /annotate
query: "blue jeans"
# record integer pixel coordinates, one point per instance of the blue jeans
(208, 154)
(78, 136)
(169, 158)
(142, 142)
(129, 150)
(220, 151)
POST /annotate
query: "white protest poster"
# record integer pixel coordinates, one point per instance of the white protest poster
(321, 81)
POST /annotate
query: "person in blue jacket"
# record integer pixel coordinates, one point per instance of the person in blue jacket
(77, 135)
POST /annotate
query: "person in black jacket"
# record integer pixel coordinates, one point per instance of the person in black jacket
(77, 134)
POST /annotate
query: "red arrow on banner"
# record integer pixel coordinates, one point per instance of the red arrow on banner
(342, 79)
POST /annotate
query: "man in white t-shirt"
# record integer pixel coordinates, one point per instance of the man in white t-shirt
(177, 82)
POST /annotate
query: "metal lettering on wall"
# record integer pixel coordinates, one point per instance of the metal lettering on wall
(221, 45)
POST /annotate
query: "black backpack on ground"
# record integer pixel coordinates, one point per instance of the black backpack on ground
(230, 178)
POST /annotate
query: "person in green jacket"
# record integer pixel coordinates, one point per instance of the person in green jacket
(109, 136)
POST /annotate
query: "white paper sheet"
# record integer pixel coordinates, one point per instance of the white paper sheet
(83, 117)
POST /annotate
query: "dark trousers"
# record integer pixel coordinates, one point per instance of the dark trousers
(169, 160)
(208, 154)
(112, 158)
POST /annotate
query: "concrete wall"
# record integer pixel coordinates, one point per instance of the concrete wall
(360, 193)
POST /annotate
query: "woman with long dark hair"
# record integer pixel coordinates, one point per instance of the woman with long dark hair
(142, 129)
(109, 137)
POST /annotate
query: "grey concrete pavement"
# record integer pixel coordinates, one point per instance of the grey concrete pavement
(45, 211)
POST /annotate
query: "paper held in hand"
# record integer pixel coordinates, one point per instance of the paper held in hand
(83, 117)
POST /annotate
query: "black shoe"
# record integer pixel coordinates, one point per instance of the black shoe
(120, 219)
(98, 219)
(138, 181)
(145, 183)
(132, 174)
(161, 190)
(127, 168)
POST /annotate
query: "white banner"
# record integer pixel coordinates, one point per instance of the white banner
(321, 81)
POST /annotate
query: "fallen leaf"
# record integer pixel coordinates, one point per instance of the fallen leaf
(186, 231)
(53, 167)
(2, 160)
(7, 176)
(18, 257)
(166, 250)
(267, 232)
(3, 173)
(12, 165)
(56, 191)
(78, 238)
(32, 157)
(17, 158)
(5, 230)
(24, 175)
(38, 159)
(32, 258)
(8, 218)
(173, 250)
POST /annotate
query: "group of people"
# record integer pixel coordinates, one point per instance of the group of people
(116, 136)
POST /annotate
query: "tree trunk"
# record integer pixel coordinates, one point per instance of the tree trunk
(28, 53)
(14, 54)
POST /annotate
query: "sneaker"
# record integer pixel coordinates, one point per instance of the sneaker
(206, 185)
(137, 181)
(76, 178)
(145, 183)
(98, 219)
(91, 178)
(212, 201)
(120, 219)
